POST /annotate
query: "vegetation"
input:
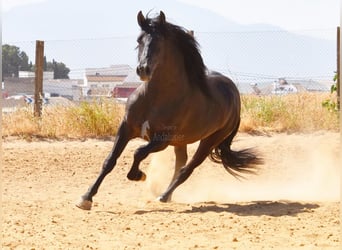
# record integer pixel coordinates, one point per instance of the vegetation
(291, 113)
(260, 114)
(96, 119)
(60, 70)
(14, 60)
(332, 104)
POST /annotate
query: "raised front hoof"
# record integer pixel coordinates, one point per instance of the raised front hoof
(84, 204)
(137, 176)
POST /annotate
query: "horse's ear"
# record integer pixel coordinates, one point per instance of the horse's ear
(162, 18)
(141, 19)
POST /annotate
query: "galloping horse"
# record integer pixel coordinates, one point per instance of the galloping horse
(179, 103)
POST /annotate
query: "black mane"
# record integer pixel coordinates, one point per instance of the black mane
(188, 47)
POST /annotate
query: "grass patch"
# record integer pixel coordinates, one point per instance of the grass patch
(94, 119)
(291, 113)
(302, 112)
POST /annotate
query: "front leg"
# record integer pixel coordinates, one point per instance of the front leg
(155, 145)
(181, 158)
(123, 136)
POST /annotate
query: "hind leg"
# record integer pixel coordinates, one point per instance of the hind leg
(181, 158)
(201, 153)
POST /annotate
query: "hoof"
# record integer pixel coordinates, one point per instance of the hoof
(162, 199)
(84, 204)
(139, 176)
(143, 176)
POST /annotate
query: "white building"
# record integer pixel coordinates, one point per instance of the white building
(29, 74)
(102, 81)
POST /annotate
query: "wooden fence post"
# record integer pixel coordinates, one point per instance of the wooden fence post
(338, 80)
(38, 91)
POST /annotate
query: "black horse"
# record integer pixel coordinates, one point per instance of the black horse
(179, 103)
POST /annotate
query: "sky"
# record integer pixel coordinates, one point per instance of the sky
(287, 14)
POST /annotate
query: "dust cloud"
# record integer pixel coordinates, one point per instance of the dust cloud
(302, 167)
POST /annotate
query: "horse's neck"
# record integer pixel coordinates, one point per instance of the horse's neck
(169, 83)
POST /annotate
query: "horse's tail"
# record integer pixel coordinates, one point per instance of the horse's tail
(235, 162)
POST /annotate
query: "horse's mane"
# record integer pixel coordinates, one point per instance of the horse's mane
(188, 47)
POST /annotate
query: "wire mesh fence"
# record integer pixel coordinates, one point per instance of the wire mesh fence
(259, 62)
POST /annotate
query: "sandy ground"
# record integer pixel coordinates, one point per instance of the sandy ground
(293, 203)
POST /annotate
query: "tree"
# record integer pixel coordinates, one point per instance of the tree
(25, 65)
(14, 60)
(60, 71)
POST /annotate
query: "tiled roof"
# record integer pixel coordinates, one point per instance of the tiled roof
(132, 78)
(105, 78)
(114, 70)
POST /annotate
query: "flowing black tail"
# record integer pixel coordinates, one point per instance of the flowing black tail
(235, 162)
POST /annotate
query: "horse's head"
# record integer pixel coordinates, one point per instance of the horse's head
(168, 52)
(149, 46)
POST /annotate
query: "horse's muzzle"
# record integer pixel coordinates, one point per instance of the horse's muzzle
(144, 73)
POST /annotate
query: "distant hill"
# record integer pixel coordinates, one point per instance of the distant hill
(87, 33)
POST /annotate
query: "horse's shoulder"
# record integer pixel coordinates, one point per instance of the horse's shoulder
(136, 96)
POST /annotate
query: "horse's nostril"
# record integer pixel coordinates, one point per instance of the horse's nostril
(141, 70)
(147, 70)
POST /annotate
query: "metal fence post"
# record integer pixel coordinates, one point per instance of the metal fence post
(38, 91)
